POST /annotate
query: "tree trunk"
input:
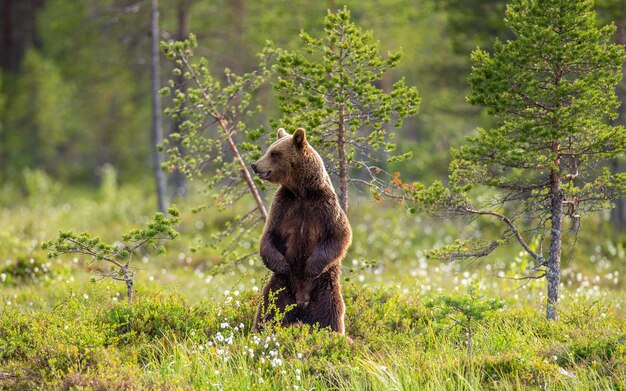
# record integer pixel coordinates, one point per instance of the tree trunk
(6, 13)
(157, 127)
(128, 279)
(553, 274)
(129, 290)
(238, 8)
(618, 214)
(244, 171)
(470, 337)
(6, 55)
(18, 31)
(343, 163)
(177, 179)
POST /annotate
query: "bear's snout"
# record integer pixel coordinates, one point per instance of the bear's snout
(262, 174)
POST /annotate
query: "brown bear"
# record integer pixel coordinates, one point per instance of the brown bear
(305, 238)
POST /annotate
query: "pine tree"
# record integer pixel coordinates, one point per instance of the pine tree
(330, 89)
(551, 90)
(218, 144)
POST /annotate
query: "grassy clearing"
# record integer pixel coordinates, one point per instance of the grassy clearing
(190, 326)
(163, 341)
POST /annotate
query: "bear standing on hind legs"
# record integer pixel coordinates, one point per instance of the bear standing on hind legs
(305, 238)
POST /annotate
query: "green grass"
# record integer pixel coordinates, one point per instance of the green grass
(163, 341)
(190, 326)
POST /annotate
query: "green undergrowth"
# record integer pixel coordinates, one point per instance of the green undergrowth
(395, 342)
(190, 324)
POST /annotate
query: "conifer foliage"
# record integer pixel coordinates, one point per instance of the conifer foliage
(551, 91)
(330, 88)
(117, 256)
(214, 141)
(213, 134)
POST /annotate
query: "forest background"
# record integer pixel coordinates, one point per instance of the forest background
(76, 153)
(75, 87)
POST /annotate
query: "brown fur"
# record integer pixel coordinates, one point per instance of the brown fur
(305, 238)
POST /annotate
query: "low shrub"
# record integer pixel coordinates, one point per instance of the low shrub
(26, 270)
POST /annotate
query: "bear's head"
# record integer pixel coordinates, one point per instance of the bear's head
(291, 162)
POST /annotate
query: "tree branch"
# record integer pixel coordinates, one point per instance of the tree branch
(515, 231)
(231, 143)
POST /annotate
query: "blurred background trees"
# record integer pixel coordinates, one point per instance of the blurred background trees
(78, 74)
(75, 76)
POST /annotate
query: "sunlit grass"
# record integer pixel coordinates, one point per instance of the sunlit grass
(190, 327)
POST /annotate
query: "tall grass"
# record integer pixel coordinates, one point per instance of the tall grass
(190, 326)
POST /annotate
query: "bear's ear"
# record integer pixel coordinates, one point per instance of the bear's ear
(282, 133)
(299, 138)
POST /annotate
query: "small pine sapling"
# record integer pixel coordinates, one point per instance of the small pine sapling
(330, 88)
(465, 311)
(118, 256)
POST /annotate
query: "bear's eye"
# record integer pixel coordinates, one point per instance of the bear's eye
(274, 154)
